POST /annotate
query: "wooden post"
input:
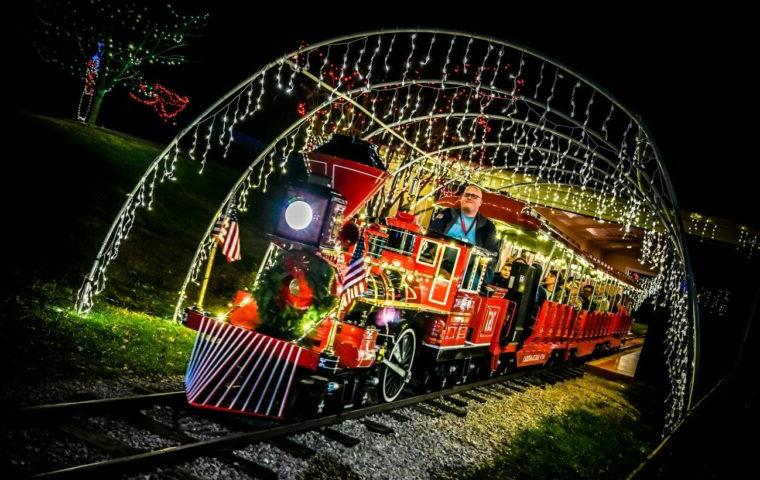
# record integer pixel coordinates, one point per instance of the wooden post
(207, 275)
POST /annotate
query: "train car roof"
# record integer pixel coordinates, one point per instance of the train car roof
(514, 212)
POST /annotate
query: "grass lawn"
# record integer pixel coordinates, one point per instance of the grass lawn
(59, 342)
(597, 442)
(79, 178)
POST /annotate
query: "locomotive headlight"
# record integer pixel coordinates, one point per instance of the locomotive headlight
(311, 216)
(299, 215)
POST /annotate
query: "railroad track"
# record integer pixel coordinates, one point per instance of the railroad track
(452, 401)
(91, 407)
(245, 431)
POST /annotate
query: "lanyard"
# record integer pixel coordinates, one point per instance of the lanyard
(466, 231)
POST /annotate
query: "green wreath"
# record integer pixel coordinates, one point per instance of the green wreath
(278, 318)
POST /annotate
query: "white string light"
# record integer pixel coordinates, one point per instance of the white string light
(388, 54)
(408, 63)
(208, 143)
(426, 60)
(541, 152)
(372, 61)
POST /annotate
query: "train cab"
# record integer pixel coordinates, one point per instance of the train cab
(363, 307)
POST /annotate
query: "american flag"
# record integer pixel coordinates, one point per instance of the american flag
(355, 278)
(227, 235)
(219, 229)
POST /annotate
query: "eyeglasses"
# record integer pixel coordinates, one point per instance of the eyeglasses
(470, 195)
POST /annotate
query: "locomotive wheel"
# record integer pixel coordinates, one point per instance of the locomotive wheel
(397, 369)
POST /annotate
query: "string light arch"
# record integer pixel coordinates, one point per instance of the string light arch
(455, 106)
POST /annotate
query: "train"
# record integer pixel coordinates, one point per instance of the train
(348, 311)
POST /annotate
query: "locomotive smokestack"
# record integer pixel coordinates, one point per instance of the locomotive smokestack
(353, 167)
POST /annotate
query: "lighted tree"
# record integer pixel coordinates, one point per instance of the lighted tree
(110, 43)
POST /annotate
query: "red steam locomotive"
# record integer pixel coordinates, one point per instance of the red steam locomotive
(347, 313)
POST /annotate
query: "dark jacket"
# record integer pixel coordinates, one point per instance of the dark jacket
(485, 231)
(542, 294)
(485, 234)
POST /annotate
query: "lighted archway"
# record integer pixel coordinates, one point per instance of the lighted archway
(448, 104)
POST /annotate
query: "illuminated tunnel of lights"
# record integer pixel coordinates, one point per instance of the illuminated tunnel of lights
(447, 108)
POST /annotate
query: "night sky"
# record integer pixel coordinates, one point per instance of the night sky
(687, 74)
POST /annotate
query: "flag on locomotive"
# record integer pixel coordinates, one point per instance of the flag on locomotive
(353, 282)
(344, 312)
(226, 232)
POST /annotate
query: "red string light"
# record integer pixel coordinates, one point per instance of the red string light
(166, 103)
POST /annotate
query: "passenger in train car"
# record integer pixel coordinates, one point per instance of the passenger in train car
(468, 225)
(602, 303)
(585, 297)
(617, 304)
(626, 306)
(572, 294)
(559, 287)
(501, 279)
(546, 288)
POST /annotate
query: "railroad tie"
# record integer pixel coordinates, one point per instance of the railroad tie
(459, 412)
(340, 437)
(378, 427)
(503, 389)
(536, 382)
(563, 374)
(489, 391)
(398, 416)
(456, 401)
(522, 382)
(249, 467)
(291, 447)
(514, 386)
(426, 411)
(108, 444)
(555, 378)
(472, 396)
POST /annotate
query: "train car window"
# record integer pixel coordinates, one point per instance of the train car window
(468, 272)
(479, 274)
(448, 261)
(471, 277)
(400, 241)
(428, 252)
(473, 273)
(376, 244)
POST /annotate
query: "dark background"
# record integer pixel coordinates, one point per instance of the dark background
(689, 74)
(686, 73)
